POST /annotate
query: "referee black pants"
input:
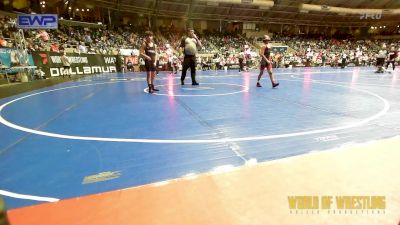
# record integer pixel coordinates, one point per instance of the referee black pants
(189, 62)
(241, 65)
(392, 62)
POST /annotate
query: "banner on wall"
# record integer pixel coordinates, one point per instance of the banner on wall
(81, 64)
(129, 52)
(133, 59)
(279, 49)
(37, 21)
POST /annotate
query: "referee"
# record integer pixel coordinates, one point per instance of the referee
(189, 46)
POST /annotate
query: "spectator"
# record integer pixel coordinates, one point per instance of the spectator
(66, 65)
(43, 35)
(82, 48)
(54, 47)
(3, 42)
(39, 74)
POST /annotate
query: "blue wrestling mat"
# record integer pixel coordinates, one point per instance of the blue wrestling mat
(105, 132)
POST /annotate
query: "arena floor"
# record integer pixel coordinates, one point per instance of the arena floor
(209, 152)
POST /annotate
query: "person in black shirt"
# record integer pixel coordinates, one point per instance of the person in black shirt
(380, 61)
(149, 52)
(241, 59)
(392, 56)
(189, 46)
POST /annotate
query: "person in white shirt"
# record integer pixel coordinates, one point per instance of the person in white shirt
(169, 55)
(82, 48)
(40, 74)
(174, 64)
(66, 64)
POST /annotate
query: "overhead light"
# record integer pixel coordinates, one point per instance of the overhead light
(87, 10)
(43, 6)
(212, 3)
(77, 9)
(264, 7)
(384, 26)
(83, 10)
(99, 23)
(69, 7)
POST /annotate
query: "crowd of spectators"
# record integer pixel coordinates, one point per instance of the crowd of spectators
(98, 40)
(7, 32)
(219, 48)
(321, 51)
(223, 43)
